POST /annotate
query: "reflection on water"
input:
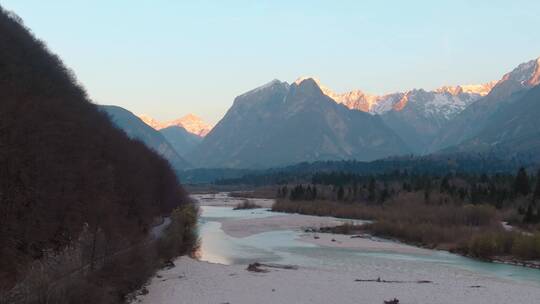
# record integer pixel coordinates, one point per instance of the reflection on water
(284, 247)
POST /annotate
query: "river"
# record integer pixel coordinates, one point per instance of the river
(287, 247)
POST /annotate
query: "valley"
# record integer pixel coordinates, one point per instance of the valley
(158, 165)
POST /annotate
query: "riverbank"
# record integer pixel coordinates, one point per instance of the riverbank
(192, 281)
(330, 268)
(470, 230)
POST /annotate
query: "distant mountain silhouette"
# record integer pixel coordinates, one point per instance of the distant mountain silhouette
(180, 139)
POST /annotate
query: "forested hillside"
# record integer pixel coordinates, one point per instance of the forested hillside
(66, 173)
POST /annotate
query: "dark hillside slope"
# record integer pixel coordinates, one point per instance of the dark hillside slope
(63, 165)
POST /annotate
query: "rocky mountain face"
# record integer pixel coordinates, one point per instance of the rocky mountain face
(420, 115)
(513, 130)
(472, 120)
(192, 123)
(135, 128)
(279, 124)
(417, 115)
(429, 121)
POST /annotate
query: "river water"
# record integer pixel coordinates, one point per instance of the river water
(285, 247)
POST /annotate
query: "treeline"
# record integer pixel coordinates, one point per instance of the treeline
(457, 212)
(432, 165)
(69, 177)
(519, 192)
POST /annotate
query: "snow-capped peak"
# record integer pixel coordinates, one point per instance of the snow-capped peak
(355, 99)
(192, 123)
(268, 85)
(535, 77)
(445, 101)
(480, 89)
(527, 74)
(151, 121)
(302, 78)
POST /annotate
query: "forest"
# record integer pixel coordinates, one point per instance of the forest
(492, 216)
(435, 164)
(78, 198)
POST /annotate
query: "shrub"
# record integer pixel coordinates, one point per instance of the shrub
(246, 204)
(527, 246)
(181, 235)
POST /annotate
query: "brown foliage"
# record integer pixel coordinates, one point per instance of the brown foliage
(470, 229)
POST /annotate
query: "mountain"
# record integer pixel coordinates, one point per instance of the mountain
(279, 124)
(477, 116)
(156, 124)
(74, 190)
(417, 116)
(512, 130)
(445, 101)
(137, 129)
(180, 139)
(192, 123)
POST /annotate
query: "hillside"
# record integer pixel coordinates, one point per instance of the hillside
(69, 179)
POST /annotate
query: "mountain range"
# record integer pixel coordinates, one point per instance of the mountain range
(279, 124)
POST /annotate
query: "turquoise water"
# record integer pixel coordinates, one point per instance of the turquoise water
(284, 247)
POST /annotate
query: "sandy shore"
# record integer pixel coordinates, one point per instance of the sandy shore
(193, 281)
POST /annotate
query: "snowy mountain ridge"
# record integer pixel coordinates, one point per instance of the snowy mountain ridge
(192, 123)
(446, 101)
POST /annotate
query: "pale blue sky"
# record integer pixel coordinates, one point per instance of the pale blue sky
(168, 58)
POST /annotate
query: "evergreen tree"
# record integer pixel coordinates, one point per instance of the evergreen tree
(384, 195)
(521, 184)
(537, 188)
(371, 189)
(445, 185)
(340, 193)
(529, 217)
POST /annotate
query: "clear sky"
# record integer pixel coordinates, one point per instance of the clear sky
(168, 58)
